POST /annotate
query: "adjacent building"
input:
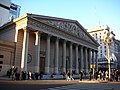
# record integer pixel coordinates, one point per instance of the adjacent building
(8, 10)
(46, 44)
(98, 34)
(14, 11)
(4, 11)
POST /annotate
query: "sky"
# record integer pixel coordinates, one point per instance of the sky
(89, 13)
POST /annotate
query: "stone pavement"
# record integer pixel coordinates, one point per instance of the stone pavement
(60, 81)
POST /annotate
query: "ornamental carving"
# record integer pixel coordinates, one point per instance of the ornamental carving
(75, 32)
(68, 27)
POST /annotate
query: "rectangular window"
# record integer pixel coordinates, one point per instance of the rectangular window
(105, 47)
(1, 62)
(1, 56)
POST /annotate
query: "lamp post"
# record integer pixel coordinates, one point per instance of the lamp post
(108, 39)
(92, 66)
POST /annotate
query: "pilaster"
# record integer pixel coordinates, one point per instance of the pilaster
(25, 50)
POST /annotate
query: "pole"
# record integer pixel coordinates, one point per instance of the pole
(109, 60)
(93, 73)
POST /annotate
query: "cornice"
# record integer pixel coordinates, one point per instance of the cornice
(36, 24)
(54, 21)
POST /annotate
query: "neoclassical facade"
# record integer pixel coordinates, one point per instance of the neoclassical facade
(49, 45)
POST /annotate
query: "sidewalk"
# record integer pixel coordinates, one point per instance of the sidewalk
(5, 78)
(76, 81)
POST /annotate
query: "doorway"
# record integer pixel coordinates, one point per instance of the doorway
(42, 64)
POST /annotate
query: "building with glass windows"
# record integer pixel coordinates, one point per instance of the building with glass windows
(98, 34)
(14, 11)
(8, 11)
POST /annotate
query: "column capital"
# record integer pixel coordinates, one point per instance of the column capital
(38, 32)
(77, 45)
(71, 43)
(90, 49)
(49, 36)
(86, 48)
(57, 38)
(81, 46)
(26, 29)
(64, 41)
(96, 51)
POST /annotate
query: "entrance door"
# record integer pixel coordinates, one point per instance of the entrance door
(42, 64)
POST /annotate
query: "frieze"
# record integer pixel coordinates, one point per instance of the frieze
(45, 27)
(69, 27)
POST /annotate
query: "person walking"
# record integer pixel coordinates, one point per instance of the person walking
(68, 76)
(90, 75)
(81, 75)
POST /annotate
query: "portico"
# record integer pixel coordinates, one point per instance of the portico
(53, 45)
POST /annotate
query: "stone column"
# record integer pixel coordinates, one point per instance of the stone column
(90, 59)
(81, 58)
(47, 57)
(16, 35)
(64, 56)
(96, 60)
(25, 50)
(37, 52)
(86, 60)
(93, 57)
(56, 54)
(76, 57)
(71, 57)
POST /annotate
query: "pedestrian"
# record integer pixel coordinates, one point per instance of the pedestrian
(23, 75)
(8, 73)
(13, 73)
(33, 76)
(17, 75)
(36, 76)
(116, 75)
(41, 74)
(81, 75)
(90, 75)
(96, 75)
(100, 74)
(71, 76)
(68, 76)
(29, 75)
(106, 75)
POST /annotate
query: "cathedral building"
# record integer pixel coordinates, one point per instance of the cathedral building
(46, 44)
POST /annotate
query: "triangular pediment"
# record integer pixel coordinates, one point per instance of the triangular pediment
(70, 26)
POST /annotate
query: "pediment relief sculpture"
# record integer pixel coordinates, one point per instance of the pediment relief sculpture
(70, 27)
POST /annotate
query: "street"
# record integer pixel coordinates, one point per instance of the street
(57, 85)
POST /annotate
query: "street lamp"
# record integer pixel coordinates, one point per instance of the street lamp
(108, 39)
(92, 66)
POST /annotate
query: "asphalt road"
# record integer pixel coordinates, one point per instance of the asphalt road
(57, 85)
(32, 84)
